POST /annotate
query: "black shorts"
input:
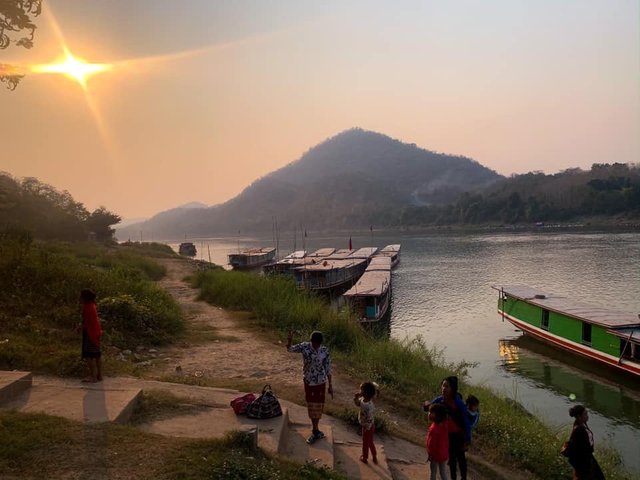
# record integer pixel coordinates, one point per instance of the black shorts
(89, 349)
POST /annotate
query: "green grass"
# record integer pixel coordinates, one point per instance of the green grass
(233, 458)
(39, 291)
(408, 372)
(39, 446)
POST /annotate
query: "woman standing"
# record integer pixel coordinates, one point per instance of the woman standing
(585, 466)
(316, 371)
(457, 423)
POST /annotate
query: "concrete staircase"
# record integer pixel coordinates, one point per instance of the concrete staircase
(114, 400)
(92, 403)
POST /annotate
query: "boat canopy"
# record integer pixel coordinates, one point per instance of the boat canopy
(296, 254)
(254, 252)
(390, 249)
(379, 263)
(330, 264)
(611, 319)
(322, 252)
(341, 253)
(371, 284)
(364, 252)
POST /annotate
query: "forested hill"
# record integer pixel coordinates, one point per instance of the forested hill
(610, 191)
(356, 178)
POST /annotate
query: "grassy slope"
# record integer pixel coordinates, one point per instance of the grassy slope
(39, 290)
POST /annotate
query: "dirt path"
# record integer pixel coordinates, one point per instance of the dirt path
(238, 357)
(237, 354)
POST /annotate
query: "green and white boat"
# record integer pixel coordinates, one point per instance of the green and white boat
(607, 336)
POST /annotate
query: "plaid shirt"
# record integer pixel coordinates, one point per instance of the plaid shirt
(317, 364)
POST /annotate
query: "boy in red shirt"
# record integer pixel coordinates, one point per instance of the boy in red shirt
(438, 441)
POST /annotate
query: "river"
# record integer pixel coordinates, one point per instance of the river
(442, 292)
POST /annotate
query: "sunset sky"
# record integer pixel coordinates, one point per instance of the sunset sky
(204, 97)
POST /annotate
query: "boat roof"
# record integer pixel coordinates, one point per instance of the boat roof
(632, 333)
(341, 253)
(364, 252)
(331, 263)
(589, 313)
(255, 251)
(322, 252)
(296, 254)
(391, 248)
(371, 283)
(379, 263)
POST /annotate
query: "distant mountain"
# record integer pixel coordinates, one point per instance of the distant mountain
(357, 178)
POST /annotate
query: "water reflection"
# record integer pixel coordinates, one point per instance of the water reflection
(600, 389)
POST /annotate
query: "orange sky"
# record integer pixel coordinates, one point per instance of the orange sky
(516, 85)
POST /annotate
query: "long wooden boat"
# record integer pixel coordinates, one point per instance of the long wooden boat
(284, 266)
(607, 336)
(299, 258)
(369, 297)
(251, 258)
(339, 270)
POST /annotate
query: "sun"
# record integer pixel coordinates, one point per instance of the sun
(73, 67)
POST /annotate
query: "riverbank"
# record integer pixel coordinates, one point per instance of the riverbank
(244, 355)
(408, 373)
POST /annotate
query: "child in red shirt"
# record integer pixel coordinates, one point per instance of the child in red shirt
(438, 441)
(91, 333)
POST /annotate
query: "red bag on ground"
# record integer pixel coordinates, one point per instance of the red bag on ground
(240, 404)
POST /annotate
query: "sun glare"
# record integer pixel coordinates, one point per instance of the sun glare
(73, 67)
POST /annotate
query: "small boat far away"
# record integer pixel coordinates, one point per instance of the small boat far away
(187, 249)
(251, 258)
(607, 336)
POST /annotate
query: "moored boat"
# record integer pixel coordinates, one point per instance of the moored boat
(251, 258)
(391, 251)
(284, 266)
(369, 297)
(336, 271)
(187, 249)
(608, 336)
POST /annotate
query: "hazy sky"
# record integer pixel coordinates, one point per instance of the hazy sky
(516, 85)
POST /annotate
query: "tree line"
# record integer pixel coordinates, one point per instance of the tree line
(604, 190)
(29, 205)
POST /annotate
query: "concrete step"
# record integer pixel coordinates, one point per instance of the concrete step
(13, 384)
(347, 459)
(91, 403)
(216, 419)
(296, 448)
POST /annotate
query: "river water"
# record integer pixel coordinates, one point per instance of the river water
(442, 292)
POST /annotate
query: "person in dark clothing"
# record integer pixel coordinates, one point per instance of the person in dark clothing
(458, 424)
(585, 466)
(91, 333)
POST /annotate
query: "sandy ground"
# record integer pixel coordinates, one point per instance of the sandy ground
(241, 356)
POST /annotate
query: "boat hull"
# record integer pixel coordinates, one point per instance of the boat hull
(573, 347)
